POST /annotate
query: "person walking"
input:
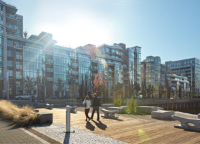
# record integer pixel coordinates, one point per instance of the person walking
(87, 104)
(95, 105)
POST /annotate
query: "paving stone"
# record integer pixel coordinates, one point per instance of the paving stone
(56, 131)
(9, 134)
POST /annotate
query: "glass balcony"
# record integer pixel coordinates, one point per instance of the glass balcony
(49, 61)
(74, 72)
(74, 65)
(11, 18)
(49, 70)
(18, 57)
(18, 76)
(18, 66)
(49, 78)
(11, 28)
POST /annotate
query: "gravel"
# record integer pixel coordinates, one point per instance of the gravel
(56, 130)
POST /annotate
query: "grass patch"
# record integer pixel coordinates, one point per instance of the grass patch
(23, 116)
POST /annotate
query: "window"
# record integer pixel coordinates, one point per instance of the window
(10, 63)
(1, 30)
(10, 72)
(1, 40)
(10, 43)
(10, 54)
(1, 52)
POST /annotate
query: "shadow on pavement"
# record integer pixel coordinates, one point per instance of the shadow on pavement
(100, 125)
(67, 138)
(90, 126)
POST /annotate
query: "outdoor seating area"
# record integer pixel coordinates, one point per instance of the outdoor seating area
(148, 109)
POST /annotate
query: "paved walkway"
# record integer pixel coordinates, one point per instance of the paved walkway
(9, 134)
(56, 131)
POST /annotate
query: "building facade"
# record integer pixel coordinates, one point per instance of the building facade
(177, 82)
(189, 68)
(151, 72)
(57, 70)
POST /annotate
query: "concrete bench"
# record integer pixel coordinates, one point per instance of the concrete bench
(148, 109)
(161, 114)
(109, 113)
(45, 117)
(107, 105)
(73, 109)
(117, 109)
(49, 106)
(187, 123)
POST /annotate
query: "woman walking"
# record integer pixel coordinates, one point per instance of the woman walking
(87, 104)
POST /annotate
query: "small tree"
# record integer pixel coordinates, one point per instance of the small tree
(29, 84)
(161, 91)
(117, 89)
(136, 88)
(97, 82)
(132, 106)
(59, 86)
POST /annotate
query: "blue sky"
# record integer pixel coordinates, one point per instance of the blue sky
(166, 28)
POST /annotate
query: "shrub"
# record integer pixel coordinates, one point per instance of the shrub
(118, 102)
(132, 106)
(20, 116)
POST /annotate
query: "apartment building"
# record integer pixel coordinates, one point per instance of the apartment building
(151, 71)
(39, 58)
(189, 68)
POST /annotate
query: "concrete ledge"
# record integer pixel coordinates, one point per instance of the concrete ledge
(106, 105)
(118, 109)
(148, 109)
(161, 114)
(199, 116)
(45, 117)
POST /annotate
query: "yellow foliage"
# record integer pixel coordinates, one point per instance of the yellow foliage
(21, 116)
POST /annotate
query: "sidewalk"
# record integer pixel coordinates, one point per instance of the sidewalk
(9, 134)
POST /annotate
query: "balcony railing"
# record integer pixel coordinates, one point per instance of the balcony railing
(49, 78)
(49, 70)
(49, 60)
(18, 76)
(18, 66)
(74, 72)
(18, 57)
(11, 16)
(12, 26)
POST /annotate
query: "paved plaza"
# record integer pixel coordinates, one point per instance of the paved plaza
(126, 129)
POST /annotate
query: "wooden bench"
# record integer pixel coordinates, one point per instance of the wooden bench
(186, 123)
(109, 113)
(49, 106)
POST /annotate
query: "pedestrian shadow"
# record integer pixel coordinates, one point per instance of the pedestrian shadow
(90, 126)
(100, 125)
(67, 138)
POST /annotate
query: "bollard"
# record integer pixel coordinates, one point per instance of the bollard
(68, 119)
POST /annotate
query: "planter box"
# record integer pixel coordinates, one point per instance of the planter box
(45, 117)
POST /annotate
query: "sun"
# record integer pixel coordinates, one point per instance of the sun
(81, 31)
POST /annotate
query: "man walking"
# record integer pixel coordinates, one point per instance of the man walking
(95, 105)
